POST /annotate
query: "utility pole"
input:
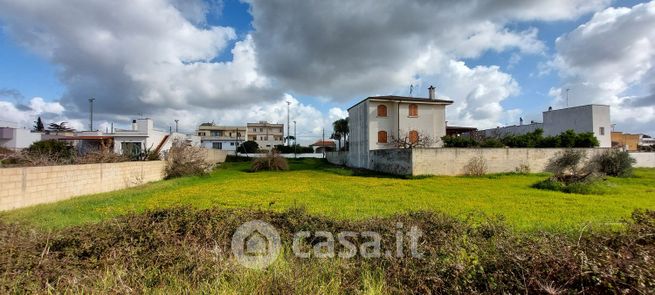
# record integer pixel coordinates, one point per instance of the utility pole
(91, 100)
(323, 142)
(295, 140)
(288, 123)
(567, 97)
(176, 121)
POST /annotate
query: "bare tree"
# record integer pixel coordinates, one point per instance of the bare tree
(413, 139)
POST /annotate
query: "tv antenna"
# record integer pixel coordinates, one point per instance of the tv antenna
(567, 97)
(411, 89)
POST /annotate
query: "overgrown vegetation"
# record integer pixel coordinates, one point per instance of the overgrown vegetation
(55, 152)
(535, 139)
(271, 162)
(477, 166)
(182, 250)
(186, 160)
(573, 173)
(614, 163)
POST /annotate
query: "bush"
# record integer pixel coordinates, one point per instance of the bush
(60, 150)
(459, 141)
(567, 139)
(569, 167)
(248, 147)
(583, 188)
(185, 160)
(614, 163)
(102, 155)
(476, 167)
(522, 169)
(271, 162)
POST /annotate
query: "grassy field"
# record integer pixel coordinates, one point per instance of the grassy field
(335, 192)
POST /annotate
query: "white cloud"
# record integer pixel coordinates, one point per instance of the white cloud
(609, 59)
(159, 57)
(14, 115)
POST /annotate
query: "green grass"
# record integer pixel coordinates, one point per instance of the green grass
(336, 192)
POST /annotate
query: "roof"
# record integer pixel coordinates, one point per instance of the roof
(405, 98)
(86, 137)
(324, 143)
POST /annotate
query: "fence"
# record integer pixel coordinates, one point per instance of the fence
(27, 186)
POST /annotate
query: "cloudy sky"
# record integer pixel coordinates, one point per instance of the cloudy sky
(232, 61)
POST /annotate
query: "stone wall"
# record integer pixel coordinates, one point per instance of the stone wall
(644, 160)
(391, 161)
(27, 186)
(337, 158)
(451, 161)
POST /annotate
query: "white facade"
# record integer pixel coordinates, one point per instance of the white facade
(18, 138)
(143, 136)
(369, 127)
(266, 135)
(588, 118)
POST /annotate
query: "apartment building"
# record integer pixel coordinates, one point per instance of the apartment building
(226, 138)
(266, 135)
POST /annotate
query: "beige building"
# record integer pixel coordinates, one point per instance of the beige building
(267, 135)
(375, 121)
(221, 137)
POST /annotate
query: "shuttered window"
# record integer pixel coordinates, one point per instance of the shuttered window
(382, 137)
(413, 110)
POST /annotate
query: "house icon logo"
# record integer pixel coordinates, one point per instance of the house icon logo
(256, 244)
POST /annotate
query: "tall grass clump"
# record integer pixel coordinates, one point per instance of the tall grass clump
(273, 161)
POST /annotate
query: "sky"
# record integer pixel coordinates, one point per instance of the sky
(232, 62)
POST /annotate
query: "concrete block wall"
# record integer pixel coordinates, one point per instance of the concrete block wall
(28, 186)
(451, 161)
(644, 160)
(337, 158)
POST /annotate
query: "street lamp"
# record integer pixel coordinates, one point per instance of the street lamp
(176, 121)
(295, 140)
(288, 124)
(91, 100)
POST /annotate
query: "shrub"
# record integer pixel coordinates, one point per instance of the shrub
(271, 162)
(614, 163)
(283, 149)
(476, 167)
(52, 148)
(492, 143)
(522, 169)
(185, 160)
(459, 141)
(569, 167)
(103, 155)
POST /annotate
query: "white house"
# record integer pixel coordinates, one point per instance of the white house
(18, 138)
(226, 138)
(587, 118)
(375, 121)
(143, 136)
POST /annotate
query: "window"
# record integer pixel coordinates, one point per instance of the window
(413, 110)
(217, 145)
(382, 110)
(382, 137)
(232, 143)
(131, 149)
(602, 131)
(413, 137)
(261, 129)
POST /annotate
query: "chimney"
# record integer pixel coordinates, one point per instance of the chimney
(133, 125)
(432, 95)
